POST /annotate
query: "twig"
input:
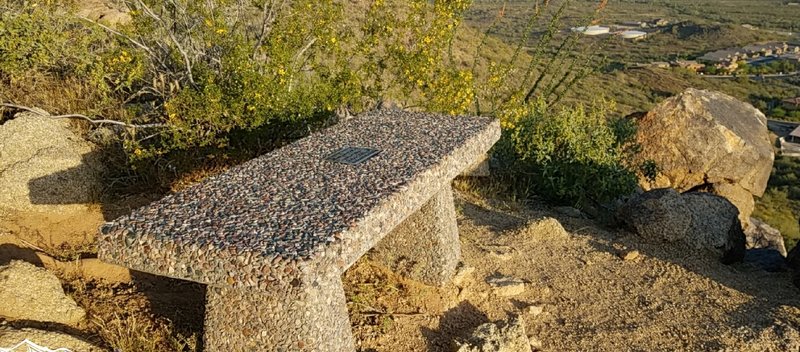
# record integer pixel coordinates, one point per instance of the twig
(175, 41)
(83, 117)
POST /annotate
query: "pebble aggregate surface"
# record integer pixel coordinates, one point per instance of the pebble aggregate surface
(291, 214)
(273, 235)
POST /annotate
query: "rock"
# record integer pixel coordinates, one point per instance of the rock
(502, 253)
(569, 211)
(708, 139)
(32, 293)
(52, 340)
(462, 273)
(767, 259)
(702, 220)
(659, 214)
(534, 310)
(630, 255)
(504, 336)
(761, 235)
(46, 167)
(506, 286)
(740, 197)
(546, 228)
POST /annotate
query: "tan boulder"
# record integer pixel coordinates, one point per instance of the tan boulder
(45, 167)
(28, 292)
(702, 139)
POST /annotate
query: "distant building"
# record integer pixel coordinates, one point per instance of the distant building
(660, 64)
(721, 56)
(790, 145)
(689, 65)
(592, 30)
(791, 104)
(633, 35)
(661, 22)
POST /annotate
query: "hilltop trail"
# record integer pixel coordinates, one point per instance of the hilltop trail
(592, 299)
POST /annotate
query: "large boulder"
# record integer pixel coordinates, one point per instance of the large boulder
(28, 292)
(702, 220)
(762, 236)
(505, 336)
(52, 340)
(46, 167)
(708, 140)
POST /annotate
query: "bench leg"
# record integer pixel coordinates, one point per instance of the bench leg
(315, 319)
(425, 247)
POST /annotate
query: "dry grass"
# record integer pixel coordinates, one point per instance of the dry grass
(135, 334)
(124, 318)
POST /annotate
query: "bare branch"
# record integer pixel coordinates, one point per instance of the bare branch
(83, 117)
(118, 33)
(175, 41)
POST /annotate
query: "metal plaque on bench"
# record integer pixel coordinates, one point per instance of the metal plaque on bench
(352, 155)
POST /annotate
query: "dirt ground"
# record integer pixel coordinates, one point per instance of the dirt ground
(668, 298)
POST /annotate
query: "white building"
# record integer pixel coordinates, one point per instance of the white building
(592, 30)
(633, 34)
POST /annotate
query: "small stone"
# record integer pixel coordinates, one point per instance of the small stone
(503, 253)
(503, 336)
(534, 310)
(630, 255)
(506, 286)
(535, 343)
(462, 273)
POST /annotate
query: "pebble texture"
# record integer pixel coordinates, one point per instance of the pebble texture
(277, 224)
(425, 247)
(28, 292)
(309, 317)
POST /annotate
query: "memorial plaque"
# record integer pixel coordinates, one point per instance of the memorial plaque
(352, 155)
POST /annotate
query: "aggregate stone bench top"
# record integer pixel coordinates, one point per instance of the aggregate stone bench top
(291, 214)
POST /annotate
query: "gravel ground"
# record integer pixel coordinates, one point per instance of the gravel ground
(598, 290)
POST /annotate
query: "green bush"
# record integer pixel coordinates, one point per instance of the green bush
(778, 210)
(36, 40)
(569, 155)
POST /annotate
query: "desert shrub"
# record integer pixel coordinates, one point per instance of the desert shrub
(778, 210)
(35, 40)
(569, 155)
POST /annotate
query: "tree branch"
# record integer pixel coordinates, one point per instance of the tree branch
(83, 117)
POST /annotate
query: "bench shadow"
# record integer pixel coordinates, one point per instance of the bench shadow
(494, 220)
(66, 187)
(179, 301)
(458, 322)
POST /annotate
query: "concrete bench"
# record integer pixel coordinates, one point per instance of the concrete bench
(272, 237)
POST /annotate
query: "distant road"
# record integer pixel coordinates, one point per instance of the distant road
(777, 75)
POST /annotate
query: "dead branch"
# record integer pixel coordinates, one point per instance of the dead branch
(84, 117)
(175, 41)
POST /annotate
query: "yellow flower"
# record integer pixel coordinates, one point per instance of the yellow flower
(221, 30)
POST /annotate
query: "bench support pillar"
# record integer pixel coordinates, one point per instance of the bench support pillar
(309, 319)
(425, 247)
